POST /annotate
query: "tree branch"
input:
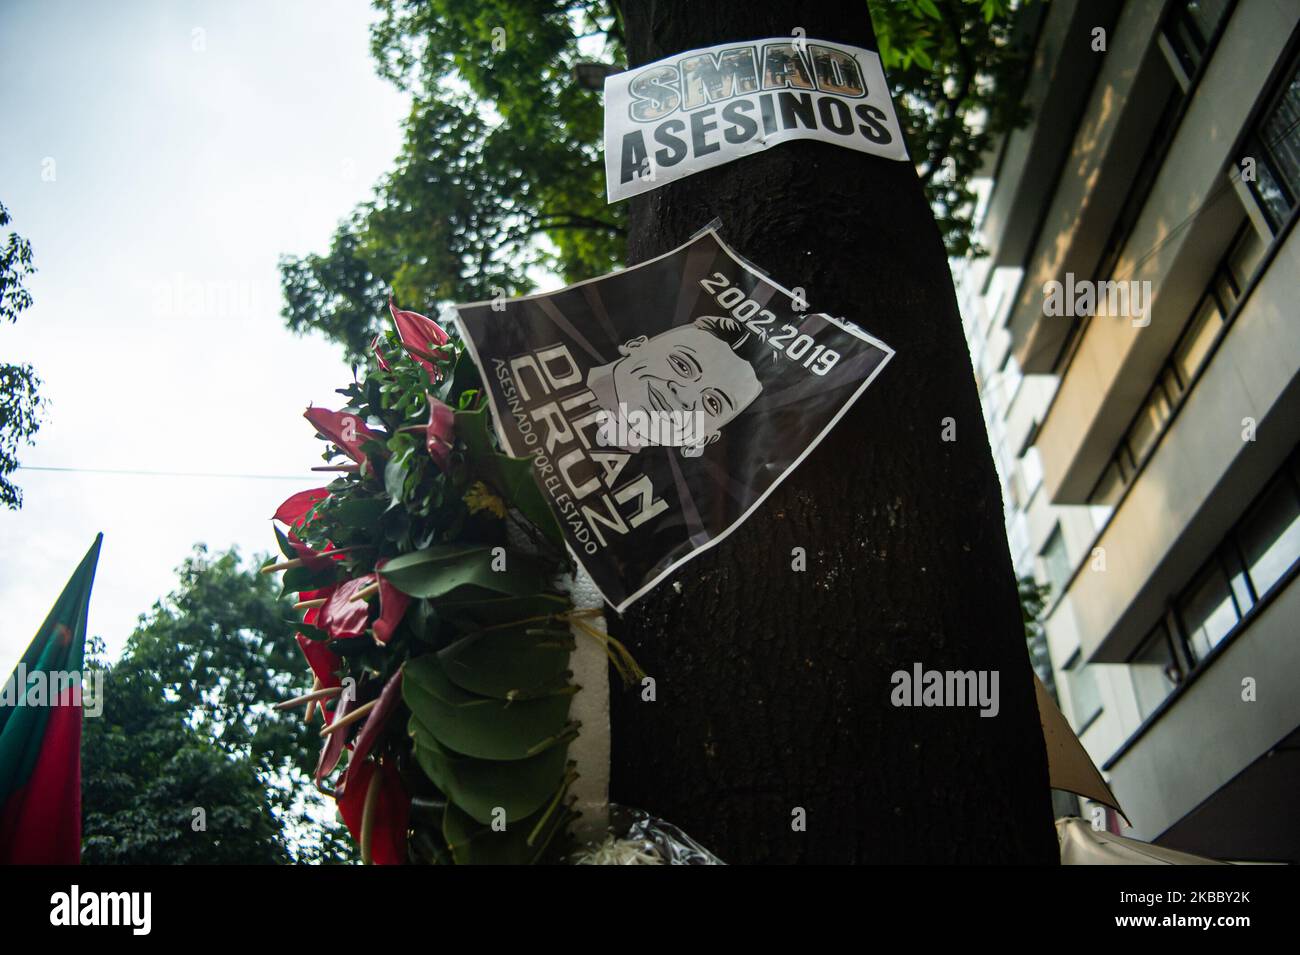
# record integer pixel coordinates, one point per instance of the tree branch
(951, 123)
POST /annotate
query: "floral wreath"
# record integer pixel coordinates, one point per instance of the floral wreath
(438, 625)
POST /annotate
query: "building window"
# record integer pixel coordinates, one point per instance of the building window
(1197, 339)
(1207, 612)
(1195, 344)
(1144, 178)
(1110, 487)
(1269, 538)
(1275, 147)
(1155, 671)
(1190, 26)
(1056, 563)
(1121, 469)
(1085, 697)
(1244, 258)
(1018, 536)
(1012, 377)
(1256, 557)
(1031, 470)
(1149, 423)
(1174, 386)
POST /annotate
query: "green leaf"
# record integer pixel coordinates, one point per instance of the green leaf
(481, 726)
(512, 478)
(283, 540)
(359, 511)
(513, 664)
(307, 630)
(465, 570)
(480, 786)
(424, 620)
(395, 475)
(300, 578)
(472, 843)
(464, 379)
(477, 614)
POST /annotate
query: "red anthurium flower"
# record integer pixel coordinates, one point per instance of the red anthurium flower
(323, 661)
(314, 559)
(294, 510)
(391, 813)
(374, 724)
(420, 335)
(343, 428)
(294, 513)
(332, 750)
(392, 607)
(441, 432)
(342, 616)
(379, 352)
(313, 613)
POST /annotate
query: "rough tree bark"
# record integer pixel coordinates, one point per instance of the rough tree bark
(773, 686)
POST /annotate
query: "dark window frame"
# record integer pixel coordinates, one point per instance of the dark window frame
(1178, 18)
(1286, 476)
(1214, 563)
(1255, 147)
(1165, 631)
(1165, 130)
(1270, 251)
(1129, 465)
(1073, 668)
(1271, 246)
(1070, 346)
(1056, 535)
(1191, 667)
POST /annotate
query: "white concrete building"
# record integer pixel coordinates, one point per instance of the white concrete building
(1149, 458)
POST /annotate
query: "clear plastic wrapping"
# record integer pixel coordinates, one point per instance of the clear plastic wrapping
(637, 838)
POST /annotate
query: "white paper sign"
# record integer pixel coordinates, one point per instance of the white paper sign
(703, 108)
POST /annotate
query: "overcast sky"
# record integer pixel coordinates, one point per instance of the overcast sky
(160, 156)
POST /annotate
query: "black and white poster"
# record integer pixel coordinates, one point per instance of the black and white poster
(702, 108)
(661, 404)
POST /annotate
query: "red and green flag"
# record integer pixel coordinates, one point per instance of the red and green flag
(40, 734)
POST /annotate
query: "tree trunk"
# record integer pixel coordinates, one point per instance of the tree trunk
(773, 686)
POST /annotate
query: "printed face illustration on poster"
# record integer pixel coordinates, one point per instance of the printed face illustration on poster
(661, 404)
(702, 108)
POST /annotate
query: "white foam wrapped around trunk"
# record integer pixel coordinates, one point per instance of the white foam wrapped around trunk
(590, 707)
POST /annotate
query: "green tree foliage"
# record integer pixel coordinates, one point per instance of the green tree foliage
(1033, 601)
(20, 403)
(954, 69)
(187, 725)
(501, 173)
